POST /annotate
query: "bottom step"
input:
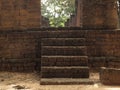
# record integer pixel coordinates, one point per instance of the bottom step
(65, 81)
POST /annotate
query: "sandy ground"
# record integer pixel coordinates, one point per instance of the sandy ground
(31, 81)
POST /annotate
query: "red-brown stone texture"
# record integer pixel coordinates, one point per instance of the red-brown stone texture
(103, 43)
(19, 14)
(94, 14)
(103, 46)
(99, 13)
(110, 76)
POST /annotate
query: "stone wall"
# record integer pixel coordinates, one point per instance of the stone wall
(19, 51)
(104, 43)
(110, 76)
(103, 46)
(17, 45)
(99, 14)
(19, 14)
(96, 14)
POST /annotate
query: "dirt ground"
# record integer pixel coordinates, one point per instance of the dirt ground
(31, 81)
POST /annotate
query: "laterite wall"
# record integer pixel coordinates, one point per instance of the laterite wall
(19, 14)
(104, 48)
(104, 43)
(19, 51)
(25, 45)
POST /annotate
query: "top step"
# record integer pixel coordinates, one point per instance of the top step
(63, 42)
(64, 34)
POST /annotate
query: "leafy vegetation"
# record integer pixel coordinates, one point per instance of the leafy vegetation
(57, 11)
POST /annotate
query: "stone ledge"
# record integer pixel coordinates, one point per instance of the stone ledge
(66, 81)
(110, 76)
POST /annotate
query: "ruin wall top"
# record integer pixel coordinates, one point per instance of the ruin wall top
(19, 14)
(97, 14)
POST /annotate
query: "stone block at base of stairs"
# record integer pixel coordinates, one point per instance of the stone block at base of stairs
(110, 76)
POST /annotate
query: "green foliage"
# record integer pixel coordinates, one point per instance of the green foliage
(58, 11)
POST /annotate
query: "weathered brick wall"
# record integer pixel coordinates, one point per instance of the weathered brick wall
(20, 50)
(19, 14)
(95, 14)
(104, 48)
(110, 76)
(99, 14)
(17, 45)
(103, 43)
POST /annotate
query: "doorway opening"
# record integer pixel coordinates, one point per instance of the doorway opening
(57, 13)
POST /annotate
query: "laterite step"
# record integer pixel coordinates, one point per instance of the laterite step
(64, 33)
(66, 81)
(66, 72)
(63, 41)
(64, 57)
(64, 61)
(64, 50)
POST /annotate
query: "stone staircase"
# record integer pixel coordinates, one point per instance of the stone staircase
(64, 58)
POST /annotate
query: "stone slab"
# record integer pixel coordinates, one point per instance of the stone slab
(66, 81)
(110, 76)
